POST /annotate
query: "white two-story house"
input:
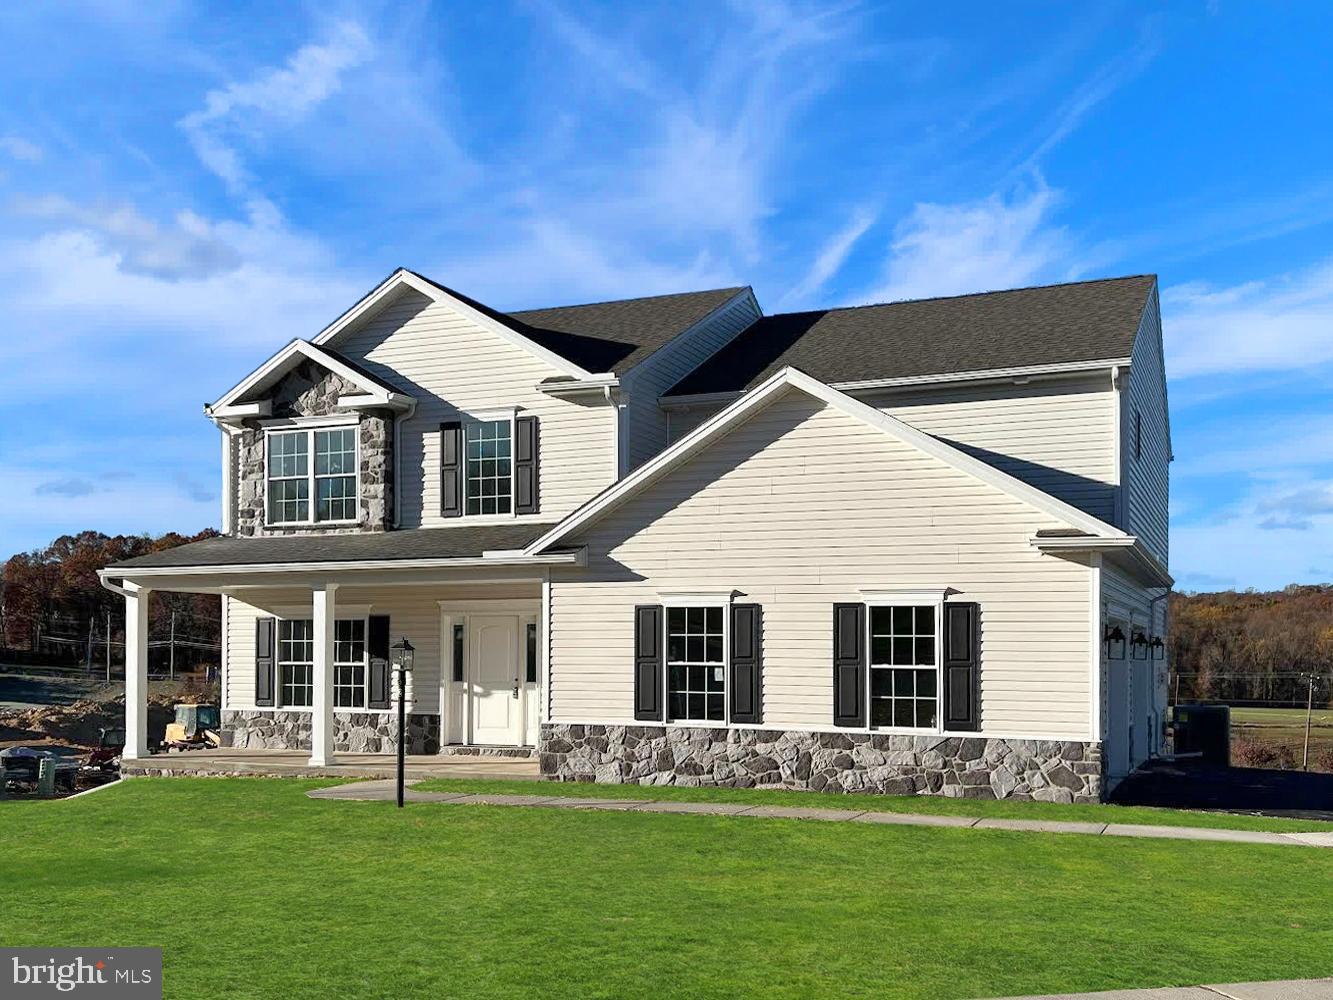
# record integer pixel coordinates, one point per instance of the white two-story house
(914, 547)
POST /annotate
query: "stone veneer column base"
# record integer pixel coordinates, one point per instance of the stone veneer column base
(353, 732)
(957, 766)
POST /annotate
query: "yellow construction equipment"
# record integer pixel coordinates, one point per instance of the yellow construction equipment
(196, 728)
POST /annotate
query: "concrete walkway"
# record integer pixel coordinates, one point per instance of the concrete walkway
(1287, 989)
(382, 791)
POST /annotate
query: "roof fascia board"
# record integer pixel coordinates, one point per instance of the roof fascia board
(598, 383)
(721, 421)
(285, 355)
(1129, 550)
(683, 338)
(940, 379)
(497, 558)
(401, 278)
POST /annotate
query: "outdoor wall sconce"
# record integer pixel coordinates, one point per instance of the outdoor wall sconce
(1114, 642)
(403, 654)
(1139, 646)
(1158, 648)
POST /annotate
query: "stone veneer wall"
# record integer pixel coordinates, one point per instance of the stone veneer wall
(956, 766)
(353, 732)
(310, 390)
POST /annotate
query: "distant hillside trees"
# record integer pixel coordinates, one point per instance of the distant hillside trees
(1253, 647)
(54, 591)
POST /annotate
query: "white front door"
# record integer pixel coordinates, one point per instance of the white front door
(495, 679)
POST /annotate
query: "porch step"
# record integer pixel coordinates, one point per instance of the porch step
(455, 750)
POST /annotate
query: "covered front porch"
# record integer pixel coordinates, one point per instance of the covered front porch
(309, 668)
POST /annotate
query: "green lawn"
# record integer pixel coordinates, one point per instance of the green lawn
(254, 890)
(934, 804)
(1285, 726)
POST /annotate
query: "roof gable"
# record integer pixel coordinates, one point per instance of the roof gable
(720, 423)
(1068, 324)
(272, 371)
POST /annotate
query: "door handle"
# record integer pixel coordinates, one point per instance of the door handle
(515, 688)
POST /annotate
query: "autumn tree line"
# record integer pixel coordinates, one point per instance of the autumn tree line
(1253, 647)
(52, 607)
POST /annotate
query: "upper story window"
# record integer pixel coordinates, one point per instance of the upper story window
(331, 478)
(904, 667)
(489, 479)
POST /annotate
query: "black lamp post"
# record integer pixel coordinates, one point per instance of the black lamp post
(402, 663)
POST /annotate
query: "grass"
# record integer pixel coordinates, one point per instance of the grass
(933, 804)
(1284, 726)
(253, 890)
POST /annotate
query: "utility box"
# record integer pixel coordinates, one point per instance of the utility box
(1204, 729)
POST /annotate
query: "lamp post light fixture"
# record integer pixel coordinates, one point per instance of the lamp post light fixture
(1114, 641)
(403, 653)
(1138, 646)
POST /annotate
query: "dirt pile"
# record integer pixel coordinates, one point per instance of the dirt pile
(78, 723)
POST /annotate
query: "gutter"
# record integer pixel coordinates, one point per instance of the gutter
(506, 557)
(603, 382)
(1130, 544)
(1018, 374)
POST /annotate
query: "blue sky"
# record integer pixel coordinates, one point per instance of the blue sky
(181, 192)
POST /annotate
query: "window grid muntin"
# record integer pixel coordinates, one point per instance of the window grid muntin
(904, 666)
(349, 663)
(288, 490)
(296, 662)
(318, 463)
(489, 470)
(696, 663)
(335, 474)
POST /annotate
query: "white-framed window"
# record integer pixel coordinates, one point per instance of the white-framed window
(349, 663)
(696, 666)
(296, 663)
(904, 644)
(312, 475)
(488, 475)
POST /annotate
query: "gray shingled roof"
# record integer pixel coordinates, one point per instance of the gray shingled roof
(463, 542)
(616, 336)
(1054, 324)
(606, 336)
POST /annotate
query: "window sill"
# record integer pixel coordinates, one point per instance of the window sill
(312, 524)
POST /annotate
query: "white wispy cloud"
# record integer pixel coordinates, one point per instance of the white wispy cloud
(830, 258)
(282, 95)
(996, 242)
(1268, 325)
(18, 148)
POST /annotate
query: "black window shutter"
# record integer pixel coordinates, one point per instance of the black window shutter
(377, 646)
(960, 666)
(264, 628)
(451, 469)
(648, 662)
(526, 466)
(849, 665)
(747, 663)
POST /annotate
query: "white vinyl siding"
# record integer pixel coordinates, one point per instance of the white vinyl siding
(645, 424)
(454, 368)
(801, 507)
(1147, 476)
(414, 613)
(1124, 596)
(1057, 435)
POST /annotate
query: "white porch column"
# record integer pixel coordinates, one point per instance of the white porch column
(136, 672)
(321, 708)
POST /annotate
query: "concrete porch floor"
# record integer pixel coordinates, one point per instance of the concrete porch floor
(295, 763)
